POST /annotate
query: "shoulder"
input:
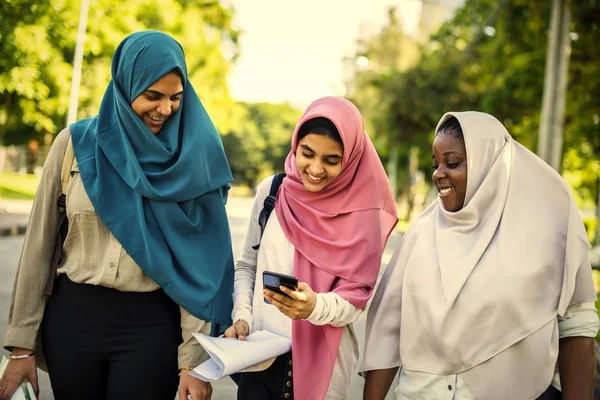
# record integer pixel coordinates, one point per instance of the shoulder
(421, 224)
(264, 187)
(262, 191)
(57, 151)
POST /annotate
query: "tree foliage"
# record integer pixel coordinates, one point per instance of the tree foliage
(260, 140)
(491, 57)
(37, 46)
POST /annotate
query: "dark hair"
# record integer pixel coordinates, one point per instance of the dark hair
(451, 126)
(320, 126)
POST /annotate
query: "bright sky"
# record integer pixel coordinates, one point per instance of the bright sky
(292, 50)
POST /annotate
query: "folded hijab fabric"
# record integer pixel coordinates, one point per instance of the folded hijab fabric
(161, 196)
(474, 291)
(339, 235)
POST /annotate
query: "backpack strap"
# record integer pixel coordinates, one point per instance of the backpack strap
(269, 205)
(67, 165)
(63, 222)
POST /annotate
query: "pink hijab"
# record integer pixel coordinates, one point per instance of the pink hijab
(339, 235)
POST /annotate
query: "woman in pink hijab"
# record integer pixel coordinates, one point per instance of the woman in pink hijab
(333, 215)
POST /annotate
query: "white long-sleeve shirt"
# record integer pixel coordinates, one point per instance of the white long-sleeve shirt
(276, 254)
(579, 320)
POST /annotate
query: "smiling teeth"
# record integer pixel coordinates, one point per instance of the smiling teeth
(314, 178)
(445, 190)
(157, 119)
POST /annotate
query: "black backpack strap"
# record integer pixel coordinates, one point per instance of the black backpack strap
(269, 205)
(63, 226)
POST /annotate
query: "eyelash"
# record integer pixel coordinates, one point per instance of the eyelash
(333, 163)
(450, 165)
(154, 98)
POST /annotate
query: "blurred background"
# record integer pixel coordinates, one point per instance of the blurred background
(256, 64)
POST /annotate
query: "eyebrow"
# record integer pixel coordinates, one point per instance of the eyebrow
(447, 153)
(336, 156)
(156, 92)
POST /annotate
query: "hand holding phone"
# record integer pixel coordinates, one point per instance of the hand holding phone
(272, 281)
(296, 303)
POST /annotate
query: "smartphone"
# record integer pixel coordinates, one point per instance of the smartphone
(272, 281)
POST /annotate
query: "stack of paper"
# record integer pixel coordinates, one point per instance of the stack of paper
(23, 392)
(228, 356)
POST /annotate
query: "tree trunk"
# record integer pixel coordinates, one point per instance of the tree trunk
(550, 139)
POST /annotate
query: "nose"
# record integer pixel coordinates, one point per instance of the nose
(438, 174)
(316, 167)
(165, 107)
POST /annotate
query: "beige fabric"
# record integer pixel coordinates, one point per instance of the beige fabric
(464, 287)
(92, 256)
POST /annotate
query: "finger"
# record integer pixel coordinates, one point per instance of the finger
(294, 294)
(34, 383)
(8, 389)
(281, 298)
(182, 392)
(241, 327)
(304, 287)
(230, 332)
(284, 308)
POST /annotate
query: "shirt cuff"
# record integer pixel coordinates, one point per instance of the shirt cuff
(317, 312)
(20, 337)
(579, 320)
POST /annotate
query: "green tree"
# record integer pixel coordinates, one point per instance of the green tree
(491, 57)
(37, 52)
(259, 141)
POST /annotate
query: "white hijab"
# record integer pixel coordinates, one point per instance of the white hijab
(465, 286)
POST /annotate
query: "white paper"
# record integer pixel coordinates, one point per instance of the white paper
(228, 356)
(23, 392)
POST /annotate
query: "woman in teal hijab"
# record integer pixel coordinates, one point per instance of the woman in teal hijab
(147, 232)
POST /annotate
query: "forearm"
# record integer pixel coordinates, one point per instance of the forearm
(378, 382)
(577, 366)
(243, 291)
(332, 309)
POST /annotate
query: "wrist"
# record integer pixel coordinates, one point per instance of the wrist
(19, 351)
(185, 370)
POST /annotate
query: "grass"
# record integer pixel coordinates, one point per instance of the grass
(18, 186)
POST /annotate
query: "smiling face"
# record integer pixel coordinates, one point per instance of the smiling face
(450, 169)
(319, 161)
(161, 100)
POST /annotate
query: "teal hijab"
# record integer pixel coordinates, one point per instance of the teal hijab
(162, 196)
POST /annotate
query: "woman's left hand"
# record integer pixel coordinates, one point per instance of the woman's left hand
(195, 388)
(298, 305)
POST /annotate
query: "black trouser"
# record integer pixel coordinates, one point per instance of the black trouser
(274, 383)
(551, 393)
(100, 343)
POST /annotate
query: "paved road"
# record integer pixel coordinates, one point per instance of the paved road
(238, 209)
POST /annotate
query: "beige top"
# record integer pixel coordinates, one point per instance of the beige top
(92, 256)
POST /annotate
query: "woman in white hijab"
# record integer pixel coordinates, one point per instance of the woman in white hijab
(489, 295)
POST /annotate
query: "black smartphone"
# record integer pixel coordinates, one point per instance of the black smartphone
(272, 281)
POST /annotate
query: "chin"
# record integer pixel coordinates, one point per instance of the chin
(313, 188)
(453, 208)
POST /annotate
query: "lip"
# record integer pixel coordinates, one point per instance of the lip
(445, 190)
(155, 123)
(312, 181)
